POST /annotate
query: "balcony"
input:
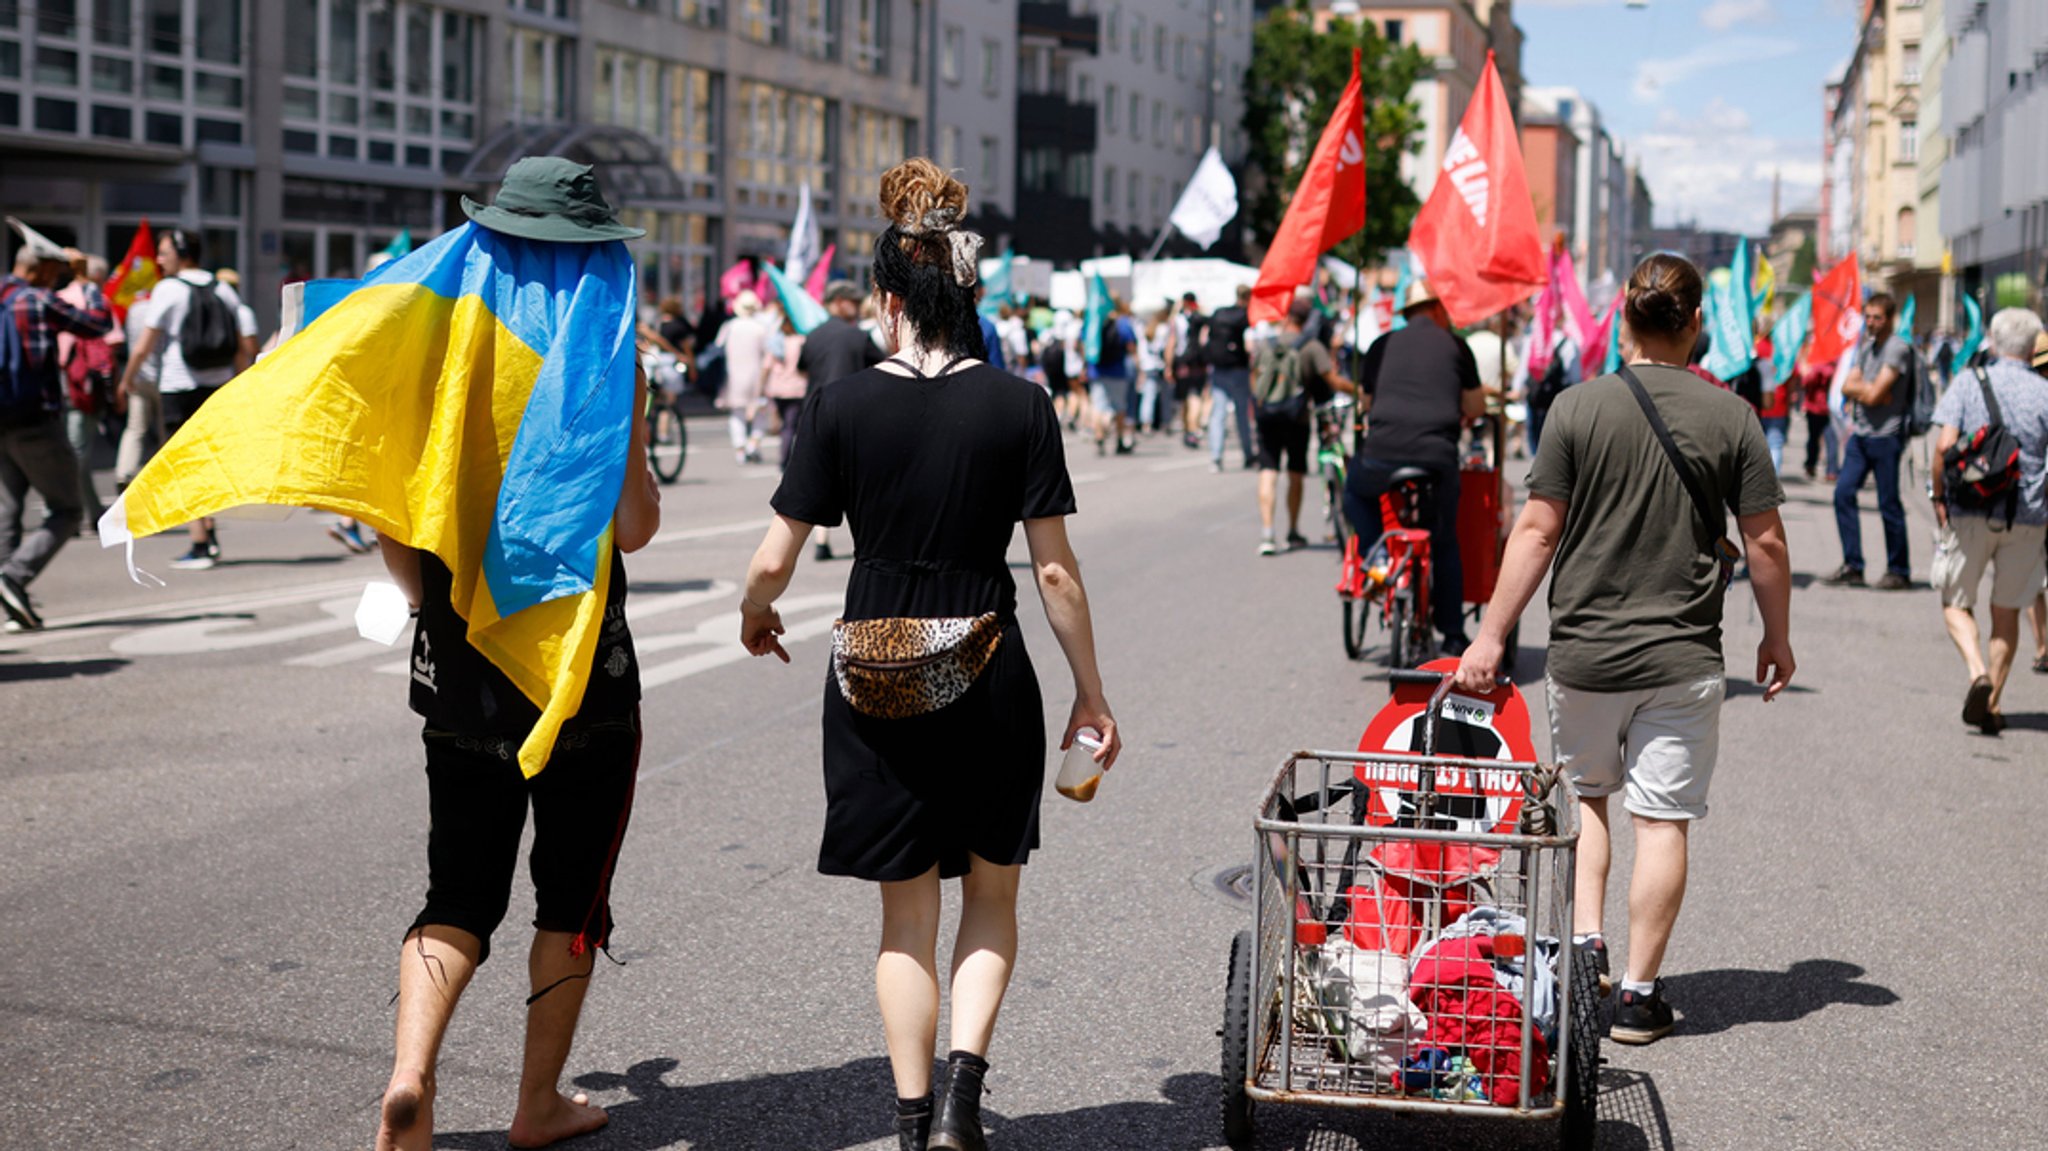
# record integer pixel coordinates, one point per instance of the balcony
(1054, 226)
(1074, 31)
(1055, 122)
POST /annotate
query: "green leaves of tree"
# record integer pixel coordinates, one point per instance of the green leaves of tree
(1296, 77)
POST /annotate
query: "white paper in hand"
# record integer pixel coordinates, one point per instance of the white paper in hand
(382, 614)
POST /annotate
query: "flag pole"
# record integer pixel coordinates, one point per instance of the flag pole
(1160, 242)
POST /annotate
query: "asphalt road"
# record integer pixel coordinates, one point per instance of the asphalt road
(215, 827)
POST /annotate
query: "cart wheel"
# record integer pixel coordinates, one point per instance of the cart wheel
(1581, 1086)
(1357, 617)
(1237, 1024)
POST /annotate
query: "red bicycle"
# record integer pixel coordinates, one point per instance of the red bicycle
(1392, 578)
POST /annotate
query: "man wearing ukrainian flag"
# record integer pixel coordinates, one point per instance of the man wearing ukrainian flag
(476, 402)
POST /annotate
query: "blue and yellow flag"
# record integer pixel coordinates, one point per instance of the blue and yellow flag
(472, 399)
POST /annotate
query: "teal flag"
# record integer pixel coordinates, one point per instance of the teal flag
(1401, 289)
(996, 288)
(400, 245)
(1613, 348)
(1788, 338)
(1094, 317)
(1906, 318)
(1975, 338)
(1727, 318)
(804, 312)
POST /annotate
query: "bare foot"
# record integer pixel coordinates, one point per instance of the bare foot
(406, 1121)
(550, 1122)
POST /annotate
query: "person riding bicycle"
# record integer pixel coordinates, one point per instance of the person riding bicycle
(1291, 372)
(1418, 386)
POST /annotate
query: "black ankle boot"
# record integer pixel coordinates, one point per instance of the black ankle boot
(956, 1118)
(913, 1123)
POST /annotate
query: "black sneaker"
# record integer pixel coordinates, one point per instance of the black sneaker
(14, 597)
(822, 553)
(1594, 951)
(1893, 581)
(1296, 541)
(1845, 576)
(201, 558)
(1641, 1019)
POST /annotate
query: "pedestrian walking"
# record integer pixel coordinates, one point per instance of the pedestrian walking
(34, 451)
(1417, 387)
(89, 371)
(1155, 333)
(934, 457)
(744, 340)
(1189, 369)
(1290, 375)
(135, 393)
(200, 337)
(477, 796)
(1814, 381)
(785, 384)
(1878, 387)
(835, 349)
(1992, 511)
(1626, 514)
(1227, 347)
(1113, 390)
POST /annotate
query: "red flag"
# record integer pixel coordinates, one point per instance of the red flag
(1328, 206)
(1837, 312)
(137, 274)
(1477, 236)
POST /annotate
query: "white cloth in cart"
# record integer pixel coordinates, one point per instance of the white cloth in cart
(1507, 971)
(1365, 999)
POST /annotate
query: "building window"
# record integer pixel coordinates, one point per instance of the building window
(991, 164)
(1180, 57)
(1909, 141)
(1159, 123)
(761, 20)
(702, 13)
(949, 146)
(917, 42)
(817, 29)
(785, 143)
(1109, 106)
(991, 67)
(1137, 114)
(1108, 189)
(951, 45)
(1138, 38)
(1908, 230)
(538, 71)
(1394, 30)
(871, 37)
(1133, 188)
(874, 142)
(1113, 26)
(1909, 63)
(1159, 48)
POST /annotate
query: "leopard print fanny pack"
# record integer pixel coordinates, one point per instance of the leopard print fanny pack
(899, 668)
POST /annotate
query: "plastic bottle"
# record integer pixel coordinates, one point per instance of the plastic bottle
(1080, 774)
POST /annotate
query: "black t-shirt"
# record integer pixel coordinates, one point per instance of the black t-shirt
(677, 331)
(1417, 378)
(835, 350)
(932, 476)
(458, 689)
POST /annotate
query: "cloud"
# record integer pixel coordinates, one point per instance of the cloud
(1722, 15)
(1714, 169)
(1654, 76)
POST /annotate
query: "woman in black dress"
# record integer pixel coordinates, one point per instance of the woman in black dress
(934, 734)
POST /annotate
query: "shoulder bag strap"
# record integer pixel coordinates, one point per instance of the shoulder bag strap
(1990, 397)
(1724, 548)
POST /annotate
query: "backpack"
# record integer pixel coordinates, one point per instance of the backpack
(1921, 396)
(1223, 346)
(1276, 388)
(1544, 391)
(208, 339)
(1982, 470)
(1114, 349)
(18, 394)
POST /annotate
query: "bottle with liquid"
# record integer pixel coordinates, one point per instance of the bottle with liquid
(1079, 773)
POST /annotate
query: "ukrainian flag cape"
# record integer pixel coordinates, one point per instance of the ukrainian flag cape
(472, 399)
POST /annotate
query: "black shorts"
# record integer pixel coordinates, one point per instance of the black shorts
(182, 406)
(477, 801)
(1187, 385)
(1283, 436)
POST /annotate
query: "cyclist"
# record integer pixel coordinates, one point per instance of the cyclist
(1292, 371)
(1419, 384)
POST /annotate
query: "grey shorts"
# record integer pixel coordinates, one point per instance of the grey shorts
(1658, 744)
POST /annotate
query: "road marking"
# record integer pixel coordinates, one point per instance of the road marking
(1079, 478)
(1180, 465)
(231, 633)
(684, 535)
(58, 630)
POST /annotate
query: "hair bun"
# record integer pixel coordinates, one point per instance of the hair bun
(920, 197)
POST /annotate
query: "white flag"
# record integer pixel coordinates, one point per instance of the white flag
(805, 242)
(1209, 202)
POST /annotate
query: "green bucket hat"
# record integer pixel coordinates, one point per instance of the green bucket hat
(549, 198)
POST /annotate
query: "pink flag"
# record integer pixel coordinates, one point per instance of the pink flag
(1593, 356)
(1544, 336)
(736, 279)
(1560, 302)
(822, 273)
(1578, 317)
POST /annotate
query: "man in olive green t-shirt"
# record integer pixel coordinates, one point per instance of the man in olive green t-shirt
(1636, 598)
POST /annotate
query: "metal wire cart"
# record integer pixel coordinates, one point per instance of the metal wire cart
(1411, 944)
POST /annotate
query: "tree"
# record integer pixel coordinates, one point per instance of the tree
(1800, 277)
(1296, 77)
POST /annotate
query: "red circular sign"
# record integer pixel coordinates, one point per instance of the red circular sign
(1493, 726)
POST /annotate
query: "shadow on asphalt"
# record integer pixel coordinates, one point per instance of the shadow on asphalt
(1714, 1001)
(2026, 721)
(58, 669)
(1737, 685)
(661, 587)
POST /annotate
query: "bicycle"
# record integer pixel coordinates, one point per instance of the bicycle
(1394, 576)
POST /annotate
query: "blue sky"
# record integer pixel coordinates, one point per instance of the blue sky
(1711, 96)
